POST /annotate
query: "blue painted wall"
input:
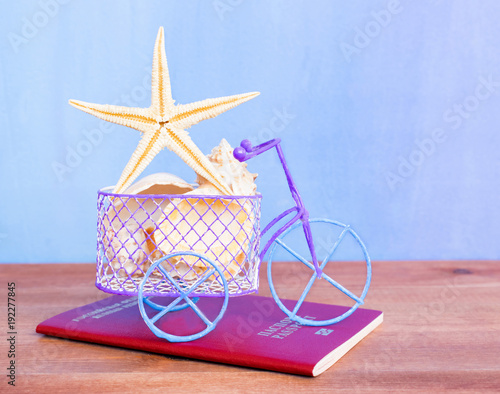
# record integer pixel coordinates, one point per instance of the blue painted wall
(389, 113)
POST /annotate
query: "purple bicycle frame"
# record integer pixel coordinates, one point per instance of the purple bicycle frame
(246, 152)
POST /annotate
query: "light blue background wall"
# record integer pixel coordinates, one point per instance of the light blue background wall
(360, 105)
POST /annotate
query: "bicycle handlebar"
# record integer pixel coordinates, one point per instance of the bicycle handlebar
(245, 151)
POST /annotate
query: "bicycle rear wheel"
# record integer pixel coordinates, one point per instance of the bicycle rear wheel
(185, 299)
(281, 242)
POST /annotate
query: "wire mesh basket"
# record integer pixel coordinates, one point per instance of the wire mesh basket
(134, 231)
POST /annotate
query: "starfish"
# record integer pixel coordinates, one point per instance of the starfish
(164, 124)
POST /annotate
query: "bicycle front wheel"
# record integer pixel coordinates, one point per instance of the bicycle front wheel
(326, 252)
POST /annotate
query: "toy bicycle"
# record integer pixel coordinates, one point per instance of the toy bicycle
(188, 275)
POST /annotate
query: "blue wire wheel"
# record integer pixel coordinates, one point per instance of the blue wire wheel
(287, 242)
(184, 300)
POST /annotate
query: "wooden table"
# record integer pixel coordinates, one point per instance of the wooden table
(441, 331)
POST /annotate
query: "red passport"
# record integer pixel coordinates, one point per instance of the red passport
(253, 332)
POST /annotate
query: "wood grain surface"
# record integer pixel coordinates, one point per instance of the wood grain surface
(441, 331)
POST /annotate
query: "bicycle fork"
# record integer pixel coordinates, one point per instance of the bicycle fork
(304, 214)
(246, 151)
(309, 238)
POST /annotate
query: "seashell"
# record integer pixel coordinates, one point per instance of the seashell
(127, 214)
(160, 183)
(124, 250)
(145, 211)
(233, 172)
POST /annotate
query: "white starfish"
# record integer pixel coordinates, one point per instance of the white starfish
(163, 124)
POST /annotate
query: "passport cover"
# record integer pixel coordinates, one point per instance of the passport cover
(253, 332)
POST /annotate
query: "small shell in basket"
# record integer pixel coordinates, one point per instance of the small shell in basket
(191, 267)
(124, 248)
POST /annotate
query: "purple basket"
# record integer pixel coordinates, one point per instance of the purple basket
(134, 231)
